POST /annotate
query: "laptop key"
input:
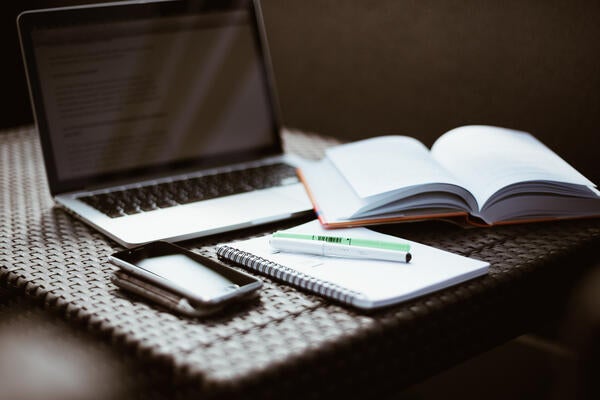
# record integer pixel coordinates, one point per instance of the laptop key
(148, 198)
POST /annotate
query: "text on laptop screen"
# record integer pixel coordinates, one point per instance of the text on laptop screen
(129, 95)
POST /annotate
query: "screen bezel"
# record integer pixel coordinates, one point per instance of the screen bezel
(29, 20)
(129, 260)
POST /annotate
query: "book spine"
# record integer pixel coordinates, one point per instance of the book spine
(288, 275)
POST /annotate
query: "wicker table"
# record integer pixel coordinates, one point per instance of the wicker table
(289, 342)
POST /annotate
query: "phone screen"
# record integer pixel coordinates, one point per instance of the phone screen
(188, 273)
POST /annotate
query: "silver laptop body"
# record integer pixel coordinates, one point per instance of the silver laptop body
(135, 98)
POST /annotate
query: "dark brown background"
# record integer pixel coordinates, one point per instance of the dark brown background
(354, 69)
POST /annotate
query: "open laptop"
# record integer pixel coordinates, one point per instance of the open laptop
(158, 119)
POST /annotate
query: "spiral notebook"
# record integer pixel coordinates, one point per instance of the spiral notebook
(365, 284)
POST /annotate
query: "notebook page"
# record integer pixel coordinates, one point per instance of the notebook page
(381, 282)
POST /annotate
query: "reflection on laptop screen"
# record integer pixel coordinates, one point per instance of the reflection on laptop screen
(128, 95)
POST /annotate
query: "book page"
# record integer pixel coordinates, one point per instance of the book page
(336, 199)
(489, 158)
(382, 164)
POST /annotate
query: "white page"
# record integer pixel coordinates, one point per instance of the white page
(381, 282)
(337, 200)
(489, 158)
(378, 165)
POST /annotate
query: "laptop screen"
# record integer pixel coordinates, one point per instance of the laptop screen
(142, 92)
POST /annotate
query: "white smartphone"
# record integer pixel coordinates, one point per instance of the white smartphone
(203, 282)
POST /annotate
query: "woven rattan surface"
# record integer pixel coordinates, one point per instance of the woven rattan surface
(289, 341)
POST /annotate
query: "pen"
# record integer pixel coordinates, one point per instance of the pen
(323, 248)
(379, 244)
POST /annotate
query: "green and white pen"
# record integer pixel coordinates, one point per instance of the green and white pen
(338, 246)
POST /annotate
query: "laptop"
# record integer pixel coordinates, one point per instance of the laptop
(158, 119)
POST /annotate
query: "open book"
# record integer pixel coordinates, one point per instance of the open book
(491, 175)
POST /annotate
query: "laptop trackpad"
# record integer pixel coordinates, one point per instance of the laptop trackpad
(253, 206)
(236, 209)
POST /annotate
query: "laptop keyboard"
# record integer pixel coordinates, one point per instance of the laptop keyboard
(152, 197)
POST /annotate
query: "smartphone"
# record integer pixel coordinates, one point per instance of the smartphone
(206, 284)
(164, 297)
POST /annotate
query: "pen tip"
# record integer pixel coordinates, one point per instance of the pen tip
(408, 257)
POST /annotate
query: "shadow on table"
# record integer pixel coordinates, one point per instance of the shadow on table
(559, 361)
